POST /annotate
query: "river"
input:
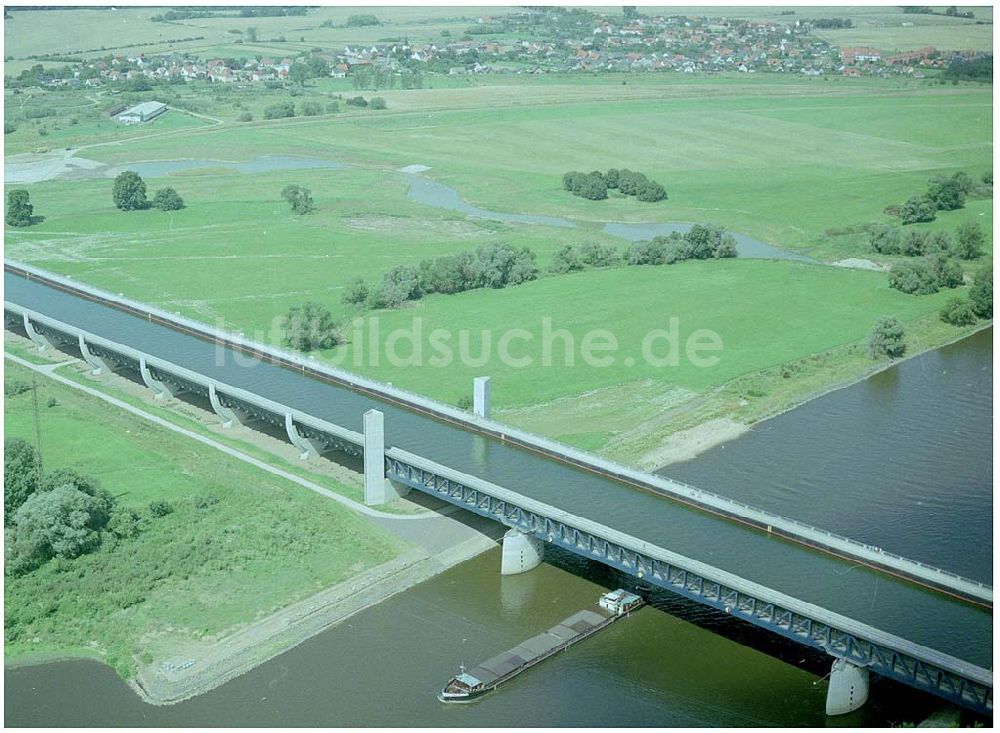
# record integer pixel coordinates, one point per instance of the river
(903, 458)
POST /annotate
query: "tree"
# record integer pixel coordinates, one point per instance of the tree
(19, 208)
(947, 271)
(958, 312)
(886, 339)
(499, 265)
(915, 243)
(916, 277)
(981, 292)
(64, 522)
(651, 191)
(167, 199)
(309, 327)
(917, 209)
(970, 239)
(251, 35)
(129, 191)
(592, 187)
(939, 241)
(279, 110)
(566, 260)
(946, 193)
(377, 103)
(611, 178)
(573, 180)
(311, 109)
(599, 255)
(298, 73)
(356, 291)
(400, 284)
(884, 239)
(22, 467)
(299, 198)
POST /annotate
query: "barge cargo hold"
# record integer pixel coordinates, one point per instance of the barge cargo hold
(485, 677)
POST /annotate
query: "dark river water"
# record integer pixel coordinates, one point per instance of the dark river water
(903, 460)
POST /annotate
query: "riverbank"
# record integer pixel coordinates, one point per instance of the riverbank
(195, 667)
(189, 641)
(752, 409)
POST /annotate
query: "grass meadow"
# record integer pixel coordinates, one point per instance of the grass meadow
(194, 573)
(801, 164)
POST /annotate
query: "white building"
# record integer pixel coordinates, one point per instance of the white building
(142, 113)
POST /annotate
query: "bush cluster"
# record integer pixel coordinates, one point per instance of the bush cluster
(595, 185)
(888, 240)
(979, 304)
(279, 110)
(944, 193)
(495, 265)
(700, 242)
(926, 275)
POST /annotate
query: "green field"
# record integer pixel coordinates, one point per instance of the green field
(194, 573)
(801, 164)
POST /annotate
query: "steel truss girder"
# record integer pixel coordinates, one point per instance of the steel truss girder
(758, 611)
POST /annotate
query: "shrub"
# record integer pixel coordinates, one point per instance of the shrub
(915, 243)
(970, 239)
(650, 192)
(358, 101)
(599, 255)
(946, 193)
(652, 252)
(958, 312)
(939, 241)
(160, 508)
(611, 178)
(279, 110)
(449, 273)
(22, 467)
(356, 291)
(311, 109)
(245, 117)
(917, 209)
(573, 180)
(124, 523)
(333, 107)
(167, 199)
(916, 277)
(884, 239)
(886, 339)
(981, 292)
(377, 103)
(566, 260)
(310, 326)
(400, 284)
(499, 265)
(64, 522)
(8, 127)
(947, 271)
(299, 198)
(592, 187)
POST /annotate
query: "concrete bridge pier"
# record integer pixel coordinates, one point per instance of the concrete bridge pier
(481, 396)
(161, 390)
(40, 341)
(228, 415)
(305, 445)
(96, 363)
(848, 688)
(521, 552)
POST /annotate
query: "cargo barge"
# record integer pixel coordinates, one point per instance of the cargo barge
(469, 685)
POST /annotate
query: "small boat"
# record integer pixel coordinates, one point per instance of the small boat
(468, 686)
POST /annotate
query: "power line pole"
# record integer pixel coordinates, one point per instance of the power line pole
(38, 425)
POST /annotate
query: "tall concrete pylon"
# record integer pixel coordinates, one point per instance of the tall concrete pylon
(481, 396)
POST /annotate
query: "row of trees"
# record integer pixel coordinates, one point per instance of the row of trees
(889, 240)
(494, 265)
(926, 275)
(944, 193)
(129, 193)
(595, 185)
